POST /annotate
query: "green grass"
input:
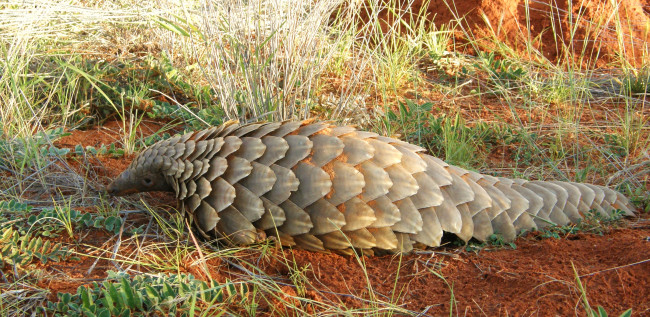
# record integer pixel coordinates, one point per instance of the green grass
(591, 312)
(480, 103)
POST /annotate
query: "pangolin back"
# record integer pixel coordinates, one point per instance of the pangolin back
(320, 187)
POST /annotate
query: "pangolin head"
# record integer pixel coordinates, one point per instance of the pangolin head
(146, 173)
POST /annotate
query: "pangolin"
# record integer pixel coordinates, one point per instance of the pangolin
(319, 186)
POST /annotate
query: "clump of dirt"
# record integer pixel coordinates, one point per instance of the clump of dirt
(584, 30)
(111, 132)
(107, 134)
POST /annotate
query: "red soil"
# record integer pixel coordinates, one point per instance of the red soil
(535, 279)
(110, 132)
(591, 24)
(107, 134)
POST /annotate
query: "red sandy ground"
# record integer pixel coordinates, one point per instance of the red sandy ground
(535, 279)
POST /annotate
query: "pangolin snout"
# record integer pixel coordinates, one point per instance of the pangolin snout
(111, 189)
(121, 185)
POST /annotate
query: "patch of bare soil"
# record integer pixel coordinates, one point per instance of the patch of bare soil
(109, 133)
(555, 28)
(72, 274)
(106, 134)
(535, 279)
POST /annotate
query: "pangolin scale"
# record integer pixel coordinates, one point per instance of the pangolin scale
(322, 187)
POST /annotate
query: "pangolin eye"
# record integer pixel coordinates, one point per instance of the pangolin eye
(147, 181)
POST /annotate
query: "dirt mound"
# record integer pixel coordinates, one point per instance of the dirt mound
(107, 134)
(110, 133)
(593, 33)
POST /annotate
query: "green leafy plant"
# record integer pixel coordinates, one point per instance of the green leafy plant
(494, 240)
(503, 72)
(143, 295)
(640, 197)
(637, 81)
(410, 120)
(25, 152)
(448, 136)
(497, 240)
(460, 144)
(437, 42)
(615, 145)
(593, 222)
(17, 249)
(13, 206)
(165, 110)
(18, 245)
(65, 217)
(113, 151)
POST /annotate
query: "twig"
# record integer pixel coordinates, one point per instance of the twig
(118, 243)
(127, 212)
(4, 278)
(615, 268)
(198, 249)
(28, 177)
(184, 107)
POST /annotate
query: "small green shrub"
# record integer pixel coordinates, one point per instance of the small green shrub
(615, 145)
(19, 250)
(25, 152)
(641, 197)
(113, 151)
(14, 206)
(502, 72)
(142, 295)
(18, 246)
(446, 136)
(65, 218)
(495, 240)
(593, 222)
(636, 82)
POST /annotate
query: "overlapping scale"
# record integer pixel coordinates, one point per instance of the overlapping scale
(318, 187)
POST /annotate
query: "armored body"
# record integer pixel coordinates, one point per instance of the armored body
(320, 187)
